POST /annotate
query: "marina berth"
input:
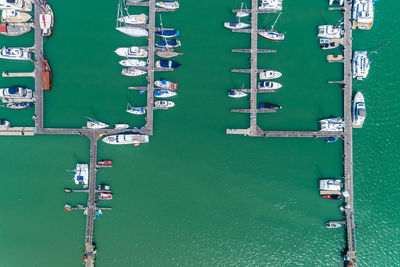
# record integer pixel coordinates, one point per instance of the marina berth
(13, 16)
(125, 139)
(168, 4)
(16, 94)
(133, 63)
(326, 44)
(363, 14)
(19, 105)
(163, 104)
(81, 174)
(359, 111)
(164, 84)
(269, 75)
(132, 72)
(19, 5)
(134, 19)
(94, 124)
(236, 93)
(15, 29)
(270, 5)
(168, 64)
(332, 125)
(330, 31)
(46, 21)
(360, 66)
(17, 53)
(169, 43)
(163, 93)
(132, 51)
(269, 85)
(133, 31)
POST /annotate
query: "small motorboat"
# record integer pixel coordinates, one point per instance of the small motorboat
(103, 187)
(334, 58)
(335, 197)
(126, 139)
(4, 124)
(133, 31)
(331, 139)
(121, 126)
(15, 29)
(359, 112)
(67, 190)
(162, 93)
(105, 196)
(266, 105)
(168, 4)
(132, 51)
(105, 163)
(163, 104)
(333, 225)
(17, 53)
(93, 124)
(330, 31)
(236, 93)
(13, 16)
(269, 74)
(329, 45)
(332, 125)
(133, 63)
(169, 64)
(164, 84)
(67, 207)
(20, 105)
(234, 25)
(167, 33)
(132, 72)
(269, 85)
(167, 52)
(136, 110)
(169, 43)
(134, 19)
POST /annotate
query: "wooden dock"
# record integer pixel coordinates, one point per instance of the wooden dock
(39, 109)
(6, 74)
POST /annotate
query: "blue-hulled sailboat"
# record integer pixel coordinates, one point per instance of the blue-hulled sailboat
(169, 44)
(167, 33)
(169, 64)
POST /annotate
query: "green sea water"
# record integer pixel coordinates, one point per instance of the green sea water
(194, 196)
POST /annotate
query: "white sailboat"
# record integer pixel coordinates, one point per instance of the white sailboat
(234, 25)
(12, 16)
(135, 110)
(130, 19)
(132, 72)
(129, 30)
(133, 63)
(94, 124)
(241, 13)
(272, 34)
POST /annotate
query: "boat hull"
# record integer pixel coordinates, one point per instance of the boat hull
(132, 31)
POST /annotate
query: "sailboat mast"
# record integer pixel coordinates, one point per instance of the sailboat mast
(276, 20)
(162, 31)
(241, 8)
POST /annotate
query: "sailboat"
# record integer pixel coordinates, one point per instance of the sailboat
(166, 51)
(93, 124)
(128, 30)
(272, 34)
(234, 25)
(131, 19)
(133, 63)
(135, 110)
(241, 13)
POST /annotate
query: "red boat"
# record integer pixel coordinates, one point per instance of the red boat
(105, 196)
(47, 75)
(335, 197)
(104, 163)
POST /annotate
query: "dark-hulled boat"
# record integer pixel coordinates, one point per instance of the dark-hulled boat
(266, 105)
